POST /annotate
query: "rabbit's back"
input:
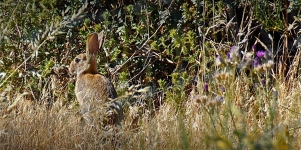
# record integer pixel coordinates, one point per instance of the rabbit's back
(92, 91)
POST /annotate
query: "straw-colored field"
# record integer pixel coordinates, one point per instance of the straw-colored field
(199, 74)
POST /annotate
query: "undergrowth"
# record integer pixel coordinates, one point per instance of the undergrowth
(192, 74)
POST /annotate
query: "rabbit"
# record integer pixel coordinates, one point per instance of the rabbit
(92, 89)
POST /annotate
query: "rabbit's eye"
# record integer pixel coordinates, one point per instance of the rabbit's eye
(76, 60)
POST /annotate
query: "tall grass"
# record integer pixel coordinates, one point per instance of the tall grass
(242, 121)
(234, 104)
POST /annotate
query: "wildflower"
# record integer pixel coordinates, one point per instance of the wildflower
(262, 81)
(234, 53)
(223, 89)
(234, 48)
(218, 100)
(228, 60)
(259, 68)
(260, 53)
(269, 64)
(246, 62)
(206, 86)
(228, 55)
(218, 60)
(256, 62)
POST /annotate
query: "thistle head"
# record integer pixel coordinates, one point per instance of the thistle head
(260, 53)
(206, 88)
(218, 60)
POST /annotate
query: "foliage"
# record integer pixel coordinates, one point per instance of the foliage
(220, 70)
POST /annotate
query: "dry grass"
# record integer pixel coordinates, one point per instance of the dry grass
(267, 119)
(250, 116)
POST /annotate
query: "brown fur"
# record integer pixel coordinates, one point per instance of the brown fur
(91, 88)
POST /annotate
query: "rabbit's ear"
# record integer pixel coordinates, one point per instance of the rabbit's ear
(92, 44)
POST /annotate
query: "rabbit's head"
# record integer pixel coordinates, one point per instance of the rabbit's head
(86, 62)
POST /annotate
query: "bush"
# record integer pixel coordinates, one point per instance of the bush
(224, 61)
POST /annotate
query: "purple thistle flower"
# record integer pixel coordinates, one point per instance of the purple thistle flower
(256, 62)
(233, 48)
(218, 60)
(234, 53)
(262, 81)
(223, 89)
(206, 86)
(219, 57)
(260, 53)
(228, 56)
(219, 99)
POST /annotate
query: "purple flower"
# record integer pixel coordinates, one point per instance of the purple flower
(218, 60)
(228, 56)
(219, 100)
(260, 53)
(233, 48)
(262, 81)
(234, 53)
(256, 62)
(219, 57)
(206, 86)
(253, 47)
(223, 89)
